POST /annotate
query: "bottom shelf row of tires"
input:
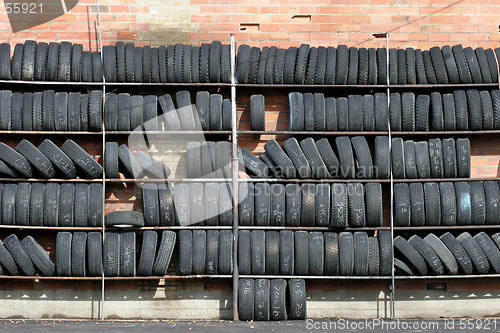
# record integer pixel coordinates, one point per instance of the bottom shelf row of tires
(289, 253)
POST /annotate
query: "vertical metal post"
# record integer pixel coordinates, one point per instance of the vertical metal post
(103, 152)
(393, 283)
(235, 176)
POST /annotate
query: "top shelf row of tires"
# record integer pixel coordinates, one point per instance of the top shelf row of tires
(210, 64)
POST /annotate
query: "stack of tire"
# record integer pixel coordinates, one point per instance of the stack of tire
(318, 160)
(448, 255)
(187, 204)
(434, 158)
(361, 66)
(272, 299)
(25, 257)
(51, 111)
(51, 204)
(208, 159)
(126, 113)
(137, 166)
(48, 161)
(173, 63)
(461, 110)
(63, 61)
(355, 113)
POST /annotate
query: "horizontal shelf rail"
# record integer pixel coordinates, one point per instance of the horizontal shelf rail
(32, 227)
(173, 180)
(315, 277)
(336, 180)
(311, 228)
(245, 132)
(53, 180)
(167, 277)
(168, 132)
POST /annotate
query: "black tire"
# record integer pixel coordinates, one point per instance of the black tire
(150, 113)
(439, 65)
(373, 204)
(36, 204)
(339, 210)
(346, 254)
(138, 64)
(422, 113)
(196, 195)
(310, 72)
(243, 63)
(476, 254)
(410, 254)
(368, 113)
(286, 253)
(436, 158)
(257, 113)
(215, 113)
(356, 194)
(22, 203)
(80, 204)
(15, 160)
(6, 109)
(29, 56)
(449, 158)
(492, 196)
(136, 112)
(254, 64)
(262, 204)
(16, 123)
(111, 253)
(297, 289)
(382, 162)
(422, 159)
(123, 112)
(463, 158)
(462, 64)
(320, 114)
(52, 62)
(331, 257)
(151, 205)
(346, 157)
(298, 158)
(355, 113)
(94, 113)
(48, 110)
(148, 251)
(295, 111)
(473, 63)
(225, 66)
(63, 253)
(342, 65)
(409, 159)
(94, 254)
(342, 110)
(64, 64)
(301, 253)
(66, 205)
(393, 66)
(95, 209)
(17, 62)
(490, 250)
(331, 65)
(444, 254)
(258, 255)
(487, 110)
(273, 253)
(51, 205)
(262, 299)
(381, 112)
(403, 267)
(321, 65)
(458, 251)
(382, 66)
(408, 111)
(9, 204)
(146, 64)
(437, 114)
(130, 62)
(246, 205)
(171, 117)
(17, 251)
(227, 117)
(212, 252)
(475, 112)
(96, 60)
(38, 256)
(225, 252)
(362, 75)
(402, 209)
(402, 69)
(129, 162)
(398, 158)
(289, 70)
(225, 204)
(277, 204)
(37, 159)
(5, 69)
(385, 249)
(78, 254)
(432, 259)
(59, 159)
(154, 63)
(61, 111)
(364, 161)
(185, 259)
(279, 304)
(82, 159)
(293, 204)
(328, 156)
(302, 63)
(322, 205)
(361, 254)
(373, 257)
(429, 69)
(246, 299)
(483, 65)
(120, 61)
(282, 160)
(77, 63)
(185, 110)
(124, 219)
(164, 56)
(395, 111)
(27, 110)
(461, 110)
(308, 211)
(74, 104)
(273, 167)
(448, 204)
(269, 71)
(450, 64)
(352, 77)
(309, 115)
(464, 212)
(432, 204)
(478, 203)
(420, 67)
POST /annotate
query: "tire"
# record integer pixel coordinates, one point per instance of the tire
(373, 257)
(301, 255)
(417, 205)
(429, 69)
(185, 110)
(64, 64)
(262, 299)
(9, 204)
(432, 204)
(363, 157)
(408, 112)
(196, 195)
(5, 69)
(295, 112)
(357, 217)
(60, 160)
(308, 211)
(461, 111)
(254, 65)
(437, 113)
(212, 252)
(120, 61)
(393, 66)
(346, 254)
(16, 123)
(124, 219)
(94, 254)
(82, 159)
(450, 64)
(22, 203)
(258, 255)
(298, 158)
(342, 110)
(112, 256)
(339, 209)
(28, 58)
(479, 259)
(458, 252)
(439, 65)
(463, 158)
(464, 210)
(27, 110)
(61, 111)
(293, 204)
(322, 205)
(297, 289)
(279, 307)
(342, 65)
(402, 209)
(246, 205)
(346, 157)
(410, 254)
(74, 103)
(5, 109)
(487, 110)
(203, 108)
(403, 267)
(77, 63)
(420, 67)
(478, 203)
(185, 260)
(36, 204)
(319, 112)
(444, 254)
(78, 252)
(328, 156)
(52, 62)
(362, 75)
(361, 254)
(385, 248)
(81, 198)
(321, 65)
(473, 63)
(243, 64)
(355, 113)
(402, 69)
(382, 66)
(302, 64)
(331, 65)
(129, 162)
(490, 250)
(281, 159)
(225, 204)
(432, 259)
(150, 113)
(96, 61)
(17, 251)
(262, 204)
(289, 70)
(331, 257)
(148, 251)
(17, 62)
(146, 64)
(246, 299)
(398, 158)
(277, 204)
(286, 253)
(48, 110)
(273, 168)
(449, 158)
(422, 159)
(154, 63)
(95, 209)
(269, 71)
(215, 114)
(66, 205)
(436, 158)
(15, 160)
(123, 112)
(448, 204)
(37, 159)
(475, 112)
(381, 112)
(257, 113)
(171, 117)
(138, 64)
(462, 64)
(409, 159)
(225, 67)
(151, 205)
(422, 113)
(136, 112)
(382, 163)
(352, 77)
(395, 112)
(225, 252)
(63, 253)
(368, 113)
(130, 62)
(492, 197)
(492, 63)
(483, 65)
(273, 253)
(373, 204)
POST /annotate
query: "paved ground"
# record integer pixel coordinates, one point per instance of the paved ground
(85, 326)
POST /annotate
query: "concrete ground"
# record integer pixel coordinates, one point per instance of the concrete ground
(375, 325)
